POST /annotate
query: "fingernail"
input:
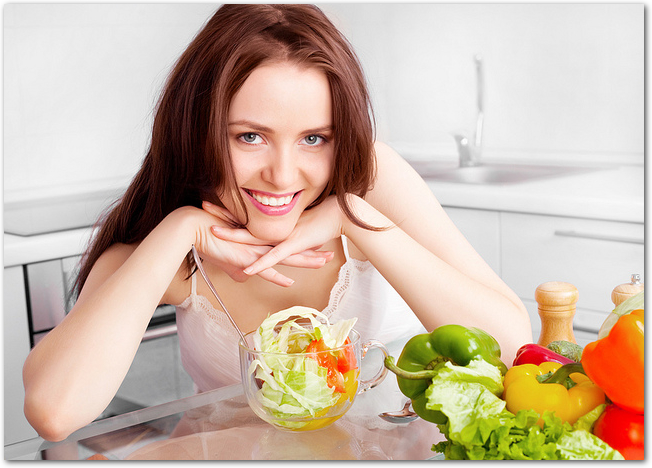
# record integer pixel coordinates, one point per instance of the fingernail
(289, 282)
(248, 270)
(207, 203)
(215, 228)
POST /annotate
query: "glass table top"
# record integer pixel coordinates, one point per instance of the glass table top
(219, 425)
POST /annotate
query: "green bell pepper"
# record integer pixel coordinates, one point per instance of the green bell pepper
(423, 354)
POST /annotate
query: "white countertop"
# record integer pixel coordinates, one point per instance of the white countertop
(19, 250)
(615, 194)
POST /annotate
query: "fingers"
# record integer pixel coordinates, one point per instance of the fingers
(309, 259)
(271, 258)
(219, 212)
(275, 277)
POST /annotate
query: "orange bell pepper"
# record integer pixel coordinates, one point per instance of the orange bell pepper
(616, 362)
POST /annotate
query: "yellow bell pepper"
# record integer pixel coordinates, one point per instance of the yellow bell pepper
(569, 393)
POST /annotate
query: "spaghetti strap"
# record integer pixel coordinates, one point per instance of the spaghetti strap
(345, 246)
(193, 284)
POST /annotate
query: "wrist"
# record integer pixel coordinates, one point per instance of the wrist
(185, 224)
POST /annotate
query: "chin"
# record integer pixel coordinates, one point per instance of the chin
(271, 234)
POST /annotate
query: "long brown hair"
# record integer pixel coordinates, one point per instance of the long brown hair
(189, 160)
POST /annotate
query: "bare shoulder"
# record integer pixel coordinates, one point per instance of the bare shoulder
(399, 190)
(394, 172)
(387, 156)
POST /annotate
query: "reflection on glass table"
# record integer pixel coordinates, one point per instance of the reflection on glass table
(219, 425)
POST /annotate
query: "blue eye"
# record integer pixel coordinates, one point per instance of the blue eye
(314, 140)
(251, 138)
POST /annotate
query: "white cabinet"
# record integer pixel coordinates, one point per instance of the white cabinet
(527, 250)
(593, 255)
(16, 349)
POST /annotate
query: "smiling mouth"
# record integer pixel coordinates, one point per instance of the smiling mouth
(271, 200)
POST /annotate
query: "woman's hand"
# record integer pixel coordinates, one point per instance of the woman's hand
(314, 228)
(234, 248)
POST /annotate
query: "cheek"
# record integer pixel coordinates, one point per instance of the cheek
(322, 172)
(242, 166)
(230, 196)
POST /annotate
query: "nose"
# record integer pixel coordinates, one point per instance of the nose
(281, 169)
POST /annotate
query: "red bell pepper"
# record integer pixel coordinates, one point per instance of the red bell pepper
(623, 431)
(533, 353)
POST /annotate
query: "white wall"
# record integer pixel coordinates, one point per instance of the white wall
(81, 80)
(80, 84)
(560, 79)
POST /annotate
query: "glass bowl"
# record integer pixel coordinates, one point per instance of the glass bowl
(305, 391)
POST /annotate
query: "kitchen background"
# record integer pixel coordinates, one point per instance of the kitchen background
(562, 82)
(81, 80)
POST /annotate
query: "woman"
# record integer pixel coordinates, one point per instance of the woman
(263, 157)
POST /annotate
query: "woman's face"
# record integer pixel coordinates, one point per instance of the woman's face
(280, 134)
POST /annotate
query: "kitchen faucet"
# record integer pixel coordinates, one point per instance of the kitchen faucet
(470, 150)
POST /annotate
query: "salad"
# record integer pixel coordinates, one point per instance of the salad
(480, 428)
(307, 375)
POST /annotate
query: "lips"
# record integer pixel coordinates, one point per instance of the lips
(273, 204)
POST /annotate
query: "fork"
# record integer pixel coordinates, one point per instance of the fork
(212, 288)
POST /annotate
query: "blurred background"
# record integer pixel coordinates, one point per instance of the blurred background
(561, 80)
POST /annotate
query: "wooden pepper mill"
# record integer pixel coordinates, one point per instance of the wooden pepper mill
(556, 301)
(624, 291)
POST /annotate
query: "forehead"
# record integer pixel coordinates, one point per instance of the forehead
(284, 94)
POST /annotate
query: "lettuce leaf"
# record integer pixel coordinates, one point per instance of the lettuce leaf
(480, 428)
(586, 422)
(582, 445)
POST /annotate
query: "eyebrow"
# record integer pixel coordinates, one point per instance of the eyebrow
(265, 129)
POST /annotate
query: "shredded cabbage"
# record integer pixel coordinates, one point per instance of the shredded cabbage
(294, 386)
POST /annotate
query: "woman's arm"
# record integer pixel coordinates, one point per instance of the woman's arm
(429, 262)
(74, 372)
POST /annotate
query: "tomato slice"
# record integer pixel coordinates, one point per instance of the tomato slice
(317, 350)
(346, 358)
(335, 380)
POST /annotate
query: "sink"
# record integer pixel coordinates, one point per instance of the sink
(494, 173)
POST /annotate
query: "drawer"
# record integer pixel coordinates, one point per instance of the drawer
(594, 255)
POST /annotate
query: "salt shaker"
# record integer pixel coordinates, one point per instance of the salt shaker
(624, 291)
(556, 301)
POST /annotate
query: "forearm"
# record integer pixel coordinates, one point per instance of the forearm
(437, 292)
(75, 371)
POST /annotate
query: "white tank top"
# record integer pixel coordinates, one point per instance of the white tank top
(209, 344)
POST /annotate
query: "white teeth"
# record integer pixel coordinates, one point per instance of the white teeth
(272, 201)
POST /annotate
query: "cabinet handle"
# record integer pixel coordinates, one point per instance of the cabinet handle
(584, 235)
(159, 332)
